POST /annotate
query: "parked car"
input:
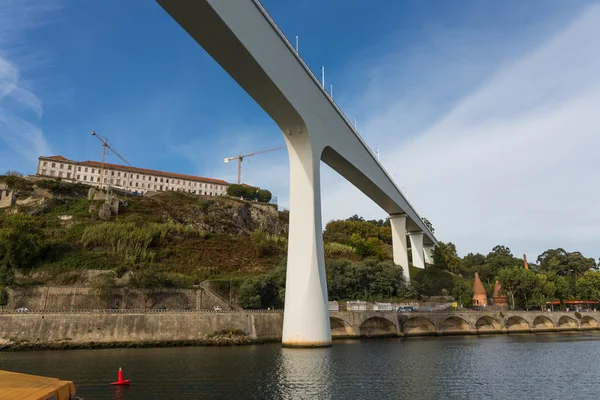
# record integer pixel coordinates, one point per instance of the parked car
(217, 308)
(22, 309)
(405, 309)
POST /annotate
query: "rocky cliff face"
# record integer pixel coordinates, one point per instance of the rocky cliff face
(220, 215)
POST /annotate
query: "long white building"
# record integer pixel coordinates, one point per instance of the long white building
(136, 180)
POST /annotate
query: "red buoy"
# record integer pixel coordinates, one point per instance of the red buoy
(120, 380)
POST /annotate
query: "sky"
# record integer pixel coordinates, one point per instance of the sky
(486, 114)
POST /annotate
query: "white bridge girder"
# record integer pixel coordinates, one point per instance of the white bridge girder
(246, 42)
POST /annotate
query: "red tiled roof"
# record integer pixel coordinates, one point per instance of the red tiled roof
(142, 170)
(61, 158)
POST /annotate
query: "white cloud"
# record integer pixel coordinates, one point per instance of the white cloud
(20, 108)
(512, 163)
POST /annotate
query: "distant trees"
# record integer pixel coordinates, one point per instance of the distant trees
(446, 257)
(249, 193)
(12, 172)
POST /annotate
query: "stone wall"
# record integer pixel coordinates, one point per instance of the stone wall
(7, 198)
(135, 327)
(37, 298)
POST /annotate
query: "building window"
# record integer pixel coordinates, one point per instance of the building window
(118, 182)
(68, 175)
(69, 167)
(52, 173)
(130, 183)
(112, 173)
(62, 166)
(98, 179)
(167, 181)
(45, 163)
(60, 174)
(79, 169)
(85, 177)
(137, 177)
(118, 174)
(111, 181)
(53, 165)
(161, 179)
(86, 170)
(43, 172)
(137, 184)
(93, 171)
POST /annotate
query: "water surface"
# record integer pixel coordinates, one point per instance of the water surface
(528, 366)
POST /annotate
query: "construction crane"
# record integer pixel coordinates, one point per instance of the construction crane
(105, 148)
(241, 157)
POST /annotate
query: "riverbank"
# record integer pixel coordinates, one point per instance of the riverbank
(98, 329)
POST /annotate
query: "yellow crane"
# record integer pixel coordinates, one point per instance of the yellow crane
(241, 157)
(105, 148)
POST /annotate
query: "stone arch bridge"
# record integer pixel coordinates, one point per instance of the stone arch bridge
(377, 323)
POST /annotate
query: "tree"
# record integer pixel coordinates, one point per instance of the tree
(236, 190)
(445, 257)
(588, 285)
(463, 293)
(20, 241)
(264, 196)
(520, 284)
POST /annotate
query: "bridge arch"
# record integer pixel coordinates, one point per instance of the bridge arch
(516, 324)
(340, 328)
(487, 324)
(418, 326)
(588, 322)
(565, 322)
(377, 326)
(455, 325)
(543, 323)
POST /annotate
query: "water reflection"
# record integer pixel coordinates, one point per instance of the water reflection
(303, 374)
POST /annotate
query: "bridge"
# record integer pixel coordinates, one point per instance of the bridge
(348, 324)
(244, 40)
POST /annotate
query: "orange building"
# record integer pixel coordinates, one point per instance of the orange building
(479, 293)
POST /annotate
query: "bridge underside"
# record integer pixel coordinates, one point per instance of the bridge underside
(245, 41)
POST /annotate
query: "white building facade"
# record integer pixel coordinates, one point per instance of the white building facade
(135, 180)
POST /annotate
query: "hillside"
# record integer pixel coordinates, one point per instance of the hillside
(191, 237)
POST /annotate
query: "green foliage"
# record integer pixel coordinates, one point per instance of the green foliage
(521, 285)
(588, 285)
(463, 293)
(564, 263)
(264, 291)
(338, 249)
(20, 241)
(342, 231)
(16, 182)
(446, 258)
(249, 193)
(370, 279)
(264, 196)
(131, 240)
(371, 247)
(432, 281)
(59, 188)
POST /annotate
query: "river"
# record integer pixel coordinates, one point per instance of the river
(528, 366)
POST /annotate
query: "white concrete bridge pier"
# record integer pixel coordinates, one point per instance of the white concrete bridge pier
(416, 248)
(306, 317)
(241, 36)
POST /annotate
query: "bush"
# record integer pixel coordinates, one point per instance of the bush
(20, 241)
(338, 249)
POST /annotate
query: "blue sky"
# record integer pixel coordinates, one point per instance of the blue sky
(485, 112)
